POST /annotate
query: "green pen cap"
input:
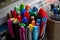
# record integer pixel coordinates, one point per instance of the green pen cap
(21, 7)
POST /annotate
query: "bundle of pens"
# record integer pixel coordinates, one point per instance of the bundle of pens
(26, 23)
(55, 8)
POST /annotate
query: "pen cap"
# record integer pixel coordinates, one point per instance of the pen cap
(35, 8)
(38, 21)
(35, 33)
(22, 13)
(15, 24)
(32, 18)
(42, 13)
(22, 24)
(55, 10)
(16, 8)
(9, 15)
(24, 20)
(28, 33)
(27, 15)
(19, 18)
(27, 7)
(33, 22)
(21, 7)
(58, 10)
(10, 28)
(14, 14)
(52, 6)
(22, 33)
(31, 27)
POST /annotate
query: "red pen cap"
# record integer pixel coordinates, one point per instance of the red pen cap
(19, 18)
(42, 13)
(27, 7)
(14, 14)
(27, 15)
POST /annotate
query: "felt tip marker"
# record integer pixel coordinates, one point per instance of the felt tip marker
(22, 33)
(28, 34)
(10, 28)
(35, 33)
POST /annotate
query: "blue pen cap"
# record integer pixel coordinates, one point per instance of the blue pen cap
(24, 20)
(34, 9)
(55, 10)
(38, 21)
(23, 11)
(35, 33)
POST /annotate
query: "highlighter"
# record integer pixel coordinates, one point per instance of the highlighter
(28, 33)
(22, 33)
(10, 28)
(35, 33)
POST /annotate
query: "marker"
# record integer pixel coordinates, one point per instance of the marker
(35, 33)
(27, 15)
(43, 26)
(21, 7)
(28, 34)
(14, 14)
(22, 33)
(22, 24)
(16, 27)
(10, 28)
(19, 18)
(27, 7)
(9, 16)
